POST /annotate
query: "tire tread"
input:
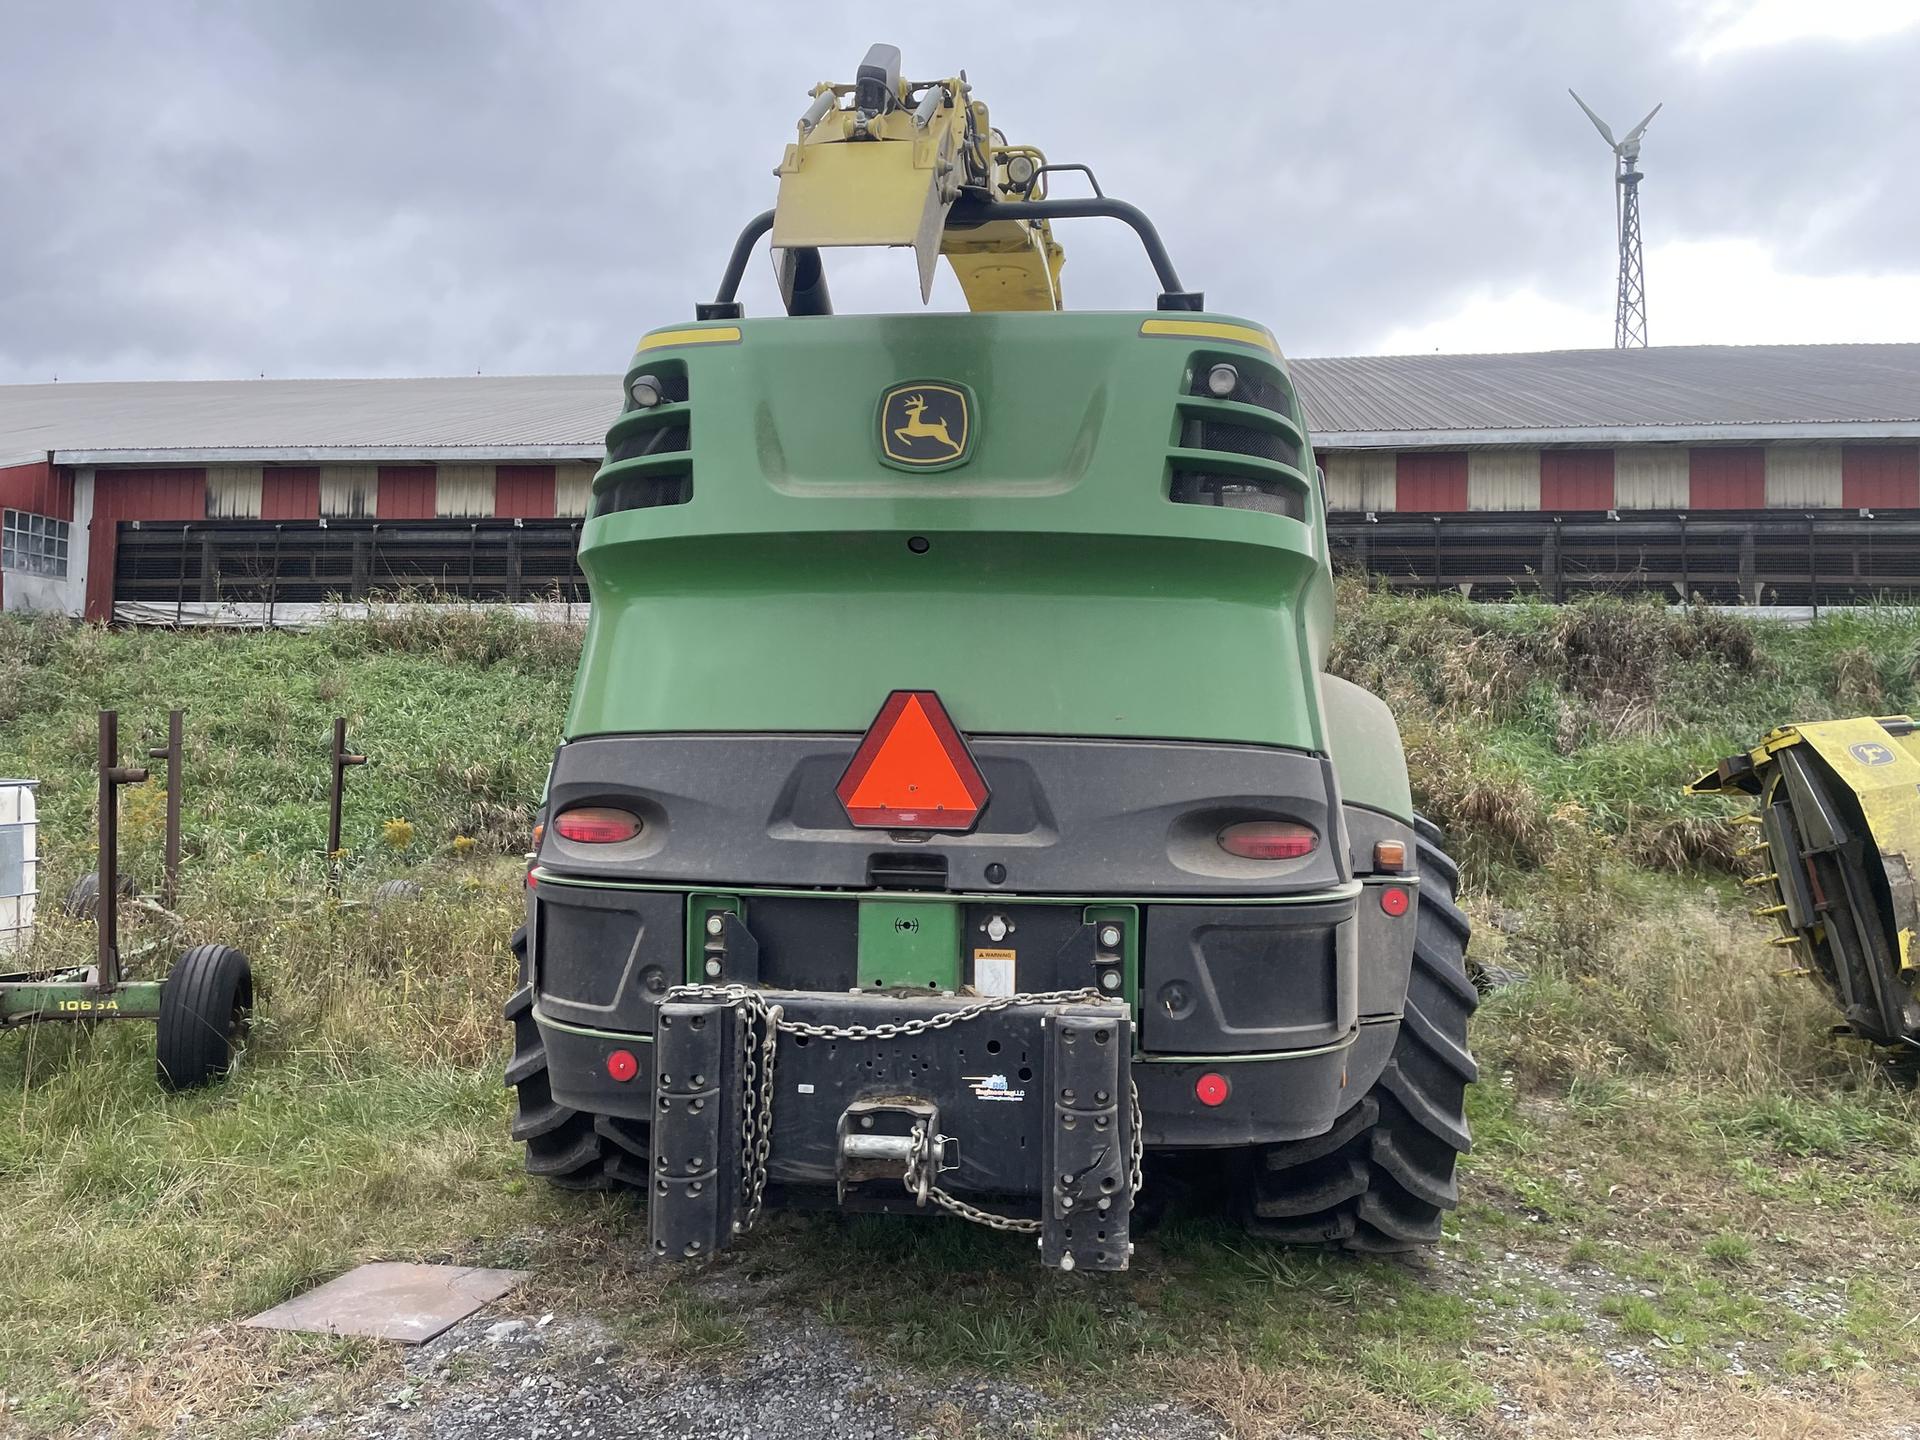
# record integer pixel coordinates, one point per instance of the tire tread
(1380, 1180)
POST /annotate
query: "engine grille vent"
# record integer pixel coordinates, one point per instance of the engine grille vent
(1236, 492)
(671, 485)
(1257, 387)
(1243, 440)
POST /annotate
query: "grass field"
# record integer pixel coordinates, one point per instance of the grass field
(1691, 1208)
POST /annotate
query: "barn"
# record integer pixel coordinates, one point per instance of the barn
(1776, 474)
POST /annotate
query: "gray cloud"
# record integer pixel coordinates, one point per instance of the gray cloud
(343, 187)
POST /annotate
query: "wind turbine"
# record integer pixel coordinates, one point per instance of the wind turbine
(1630, 306)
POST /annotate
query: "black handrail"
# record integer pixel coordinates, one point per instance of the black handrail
(966, 214)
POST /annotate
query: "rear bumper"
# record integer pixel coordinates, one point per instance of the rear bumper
(1270, 1097)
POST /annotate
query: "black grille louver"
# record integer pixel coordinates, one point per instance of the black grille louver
(669, 486)
(1236, 492)
(1244, 440)
(1256, 387)
(1233, 487)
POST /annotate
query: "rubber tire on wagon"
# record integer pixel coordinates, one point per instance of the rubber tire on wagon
(567, 1148)
(203, 1013)
(1381, 1179)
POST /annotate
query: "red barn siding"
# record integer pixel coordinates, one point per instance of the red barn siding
(1427, 481)
(134, 495)
(1727, 477)
(36, 487)
(1576, 480)
(290, 493)
(1885, 477)
(406, 492)
(523, 492)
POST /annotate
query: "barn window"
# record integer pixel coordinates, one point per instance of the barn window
(33, 544)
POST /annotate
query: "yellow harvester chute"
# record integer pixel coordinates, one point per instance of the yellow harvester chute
(882, 161)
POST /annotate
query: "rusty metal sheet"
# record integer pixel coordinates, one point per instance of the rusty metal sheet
(388, 1300)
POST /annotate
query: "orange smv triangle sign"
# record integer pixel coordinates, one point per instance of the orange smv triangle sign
(912, 770)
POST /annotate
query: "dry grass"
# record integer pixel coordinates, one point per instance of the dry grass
(1675, 987)
(1651, 1051)
(1577, 1401)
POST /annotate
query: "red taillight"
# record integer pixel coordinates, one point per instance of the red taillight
(1394, 900)
(1269, 840)
(622, 1066)
(596, 825)
(1212, 1089)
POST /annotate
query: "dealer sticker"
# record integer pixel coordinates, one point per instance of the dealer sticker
(993, 972)
(993, 1087)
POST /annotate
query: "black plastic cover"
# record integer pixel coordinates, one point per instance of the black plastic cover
(1082, 816)
(1218, 980)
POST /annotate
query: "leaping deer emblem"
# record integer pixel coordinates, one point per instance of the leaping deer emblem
(919, 429)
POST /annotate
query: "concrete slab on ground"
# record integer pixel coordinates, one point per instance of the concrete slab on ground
(388, 1300)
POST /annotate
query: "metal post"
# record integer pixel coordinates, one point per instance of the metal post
(1813, 569)
(106, 899)
(273, 577)
(106, 910)
(170, 886)
(180, 587)
(209, 564)
(342, 758)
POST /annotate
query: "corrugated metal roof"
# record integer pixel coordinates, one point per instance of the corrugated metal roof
(463, 416)
(1560, 396)
(1679, 385)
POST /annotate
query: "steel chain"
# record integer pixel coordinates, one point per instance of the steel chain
(757, 1092)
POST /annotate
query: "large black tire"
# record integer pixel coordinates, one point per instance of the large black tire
(82, 900)
(393, 892)
(203, 1013)
(1381, 1179)
(565, 1147)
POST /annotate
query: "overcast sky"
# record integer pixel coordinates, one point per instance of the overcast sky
(375, 187)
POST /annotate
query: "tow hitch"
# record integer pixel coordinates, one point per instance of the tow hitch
(868, 1092)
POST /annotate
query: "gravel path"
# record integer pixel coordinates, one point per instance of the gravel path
(541, 1378)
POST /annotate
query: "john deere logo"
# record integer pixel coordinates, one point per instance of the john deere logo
(925, 425)
(1872, 753)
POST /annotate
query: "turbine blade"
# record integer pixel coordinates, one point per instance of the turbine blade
(1598, 123)
(1634, 133)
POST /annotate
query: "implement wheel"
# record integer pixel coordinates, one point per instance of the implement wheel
(1381, 1179)
(203, 1013)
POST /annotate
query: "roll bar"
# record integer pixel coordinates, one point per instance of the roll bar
(966, 213)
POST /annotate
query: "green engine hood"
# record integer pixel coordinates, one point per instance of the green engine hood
(1045, 584)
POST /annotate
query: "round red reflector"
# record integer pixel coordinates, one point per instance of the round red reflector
(596, 825)
(1269, 840)
(1394, 900)
(1212, 1088)
(622, 1066)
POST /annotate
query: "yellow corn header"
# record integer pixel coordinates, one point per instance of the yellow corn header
(1839, 821)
